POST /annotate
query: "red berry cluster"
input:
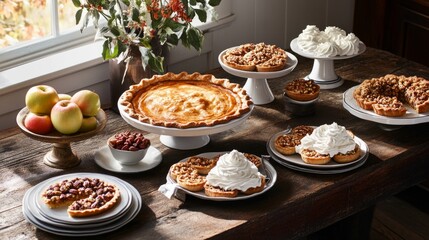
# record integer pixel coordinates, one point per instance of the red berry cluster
(129, 141)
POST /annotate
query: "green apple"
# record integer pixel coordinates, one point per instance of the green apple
(64, 96)
(88, 102)
(40, 99)
(40, 124)
(66, 117)
(88, 124)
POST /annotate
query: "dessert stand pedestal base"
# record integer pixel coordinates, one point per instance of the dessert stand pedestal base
(184, 143)
(61, 156)
(323, 74)
(259, 91)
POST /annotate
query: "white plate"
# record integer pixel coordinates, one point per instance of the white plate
(296, 158)
(61, 215)
(295, 48)
(271, 172)
(104, 158)
(411, 116)
(315, 170)
(291, 63)
(48, 227)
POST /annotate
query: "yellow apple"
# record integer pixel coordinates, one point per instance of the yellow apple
(40, 99)
(88, 102)
(66, 117)
(88, 124)
(64, 96)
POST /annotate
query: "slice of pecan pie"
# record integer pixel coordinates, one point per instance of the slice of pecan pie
(185, 100)
(83, 196)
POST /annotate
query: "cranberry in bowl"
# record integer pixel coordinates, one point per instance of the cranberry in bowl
(128, 147)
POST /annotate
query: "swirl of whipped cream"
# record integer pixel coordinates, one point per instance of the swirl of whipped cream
(328, 139)
(327, 49)
(234, 172)
(334, 33)
(349, 44)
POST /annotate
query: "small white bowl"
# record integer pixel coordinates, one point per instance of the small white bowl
(127, 157)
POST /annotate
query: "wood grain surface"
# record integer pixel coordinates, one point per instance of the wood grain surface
(299, 203)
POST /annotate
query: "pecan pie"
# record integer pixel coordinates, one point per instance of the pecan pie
(302, 90)
(387, 95)
(313, 157)
(347, 157)
(191, 181)
(185, 100)
(83, 196)
(201, 164)
(260, 57)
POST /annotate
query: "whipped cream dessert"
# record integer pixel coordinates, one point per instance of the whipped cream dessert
(234, 171)
(331, 42)
(328, 139)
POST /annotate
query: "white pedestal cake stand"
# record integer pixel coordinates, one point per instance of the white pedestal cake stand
(323, 72)
(183, 139)
(256, 85)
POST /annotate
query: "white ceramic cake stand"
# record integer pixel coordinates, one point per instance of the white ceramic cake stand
(323, 72)
(256, 85)
(183, 139)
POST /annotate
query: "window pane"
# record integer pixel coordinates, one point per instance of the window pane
(66, 15)
(23, 20)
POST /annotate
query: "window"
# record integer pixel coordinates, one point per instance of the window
(32, 28)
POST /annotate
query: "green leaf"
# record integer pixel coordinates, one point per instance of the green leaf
(202, 15)
(172, 40)
(195, 38)
(214, 3)
(156, 63)
(135, 15)
(77, 3)
(192, 2)
(115, 31)
(107, 53)
(78, 15)
(96, 17)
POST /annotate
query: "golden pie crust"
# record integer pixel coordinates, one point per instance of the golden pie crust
(185, 100)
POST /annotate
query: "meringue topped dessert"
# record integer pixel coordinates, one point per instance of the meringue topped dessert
(331, 42)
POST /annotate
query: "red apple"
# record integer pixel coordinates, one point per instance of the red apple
(64, 96)
(40, 124)
(88, 102)
(40, 99)
(88, 124)
(66, 117)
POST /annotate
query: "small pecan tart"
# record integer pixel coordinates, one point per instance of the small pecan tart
(302, 130)
(256, 189)
(213, 191)
(191, 181)
(286, 143)
(181, 168)
(313, 157)
(350, 156)
(201, 164)
(254, 159)
(83, 196)
(302, 90)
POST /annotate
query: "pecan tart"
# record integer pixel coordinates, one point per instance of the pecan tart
(185, 100)
(83, 196)
(260, 57)
(286, 143)
(191, 181)
(201, 164)
(302, 90)
(387, 95)
(347, 157)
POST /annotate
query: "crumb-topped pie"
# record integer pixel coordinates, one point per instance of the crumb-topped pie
(185, 100)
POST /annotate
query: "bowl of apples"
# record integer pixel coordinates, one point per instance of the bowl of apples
(61, 119)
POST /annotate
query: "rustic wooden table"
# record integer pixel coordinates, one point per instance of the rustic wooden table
(299, 203)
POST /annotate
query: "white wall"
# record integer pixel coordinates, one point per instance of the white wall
(271, 21)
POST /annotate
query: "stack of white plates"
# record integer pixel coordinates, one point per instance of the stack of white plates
(295, 162)
(57, 221)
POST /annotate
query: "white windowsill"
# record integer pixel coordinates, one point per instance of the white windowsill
(66, 62)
